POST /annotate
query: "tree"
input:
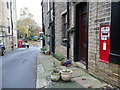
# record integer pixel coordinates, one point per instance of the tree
(26, 24)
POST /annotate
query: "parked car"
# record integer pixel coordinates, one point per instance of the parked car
(23, 45)
(2, 49)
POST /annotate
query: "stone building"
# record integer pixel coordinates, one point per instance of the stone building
(8, 32)
(85, 32)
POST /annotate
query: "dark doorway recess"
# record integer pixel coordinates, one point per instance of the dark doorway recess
(81, 33)
(115, 34)
(52, 27)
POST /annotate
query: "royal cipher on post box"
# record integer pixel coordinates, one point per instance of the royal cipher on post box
(104, 43)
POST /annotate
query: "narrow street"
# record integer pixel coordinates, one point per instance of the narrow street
(19, 68)
(60, 44)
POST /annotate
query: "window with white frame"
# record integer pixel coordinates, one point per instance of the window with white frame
(64, 29)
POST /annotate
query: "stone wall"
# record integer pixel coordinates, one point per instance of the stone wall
(72, 24)
(46, 22)
(5, 20)
(100, 14)
(60, 8)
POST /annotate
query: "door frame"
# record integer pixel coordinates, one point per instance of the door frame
(114, 57)
(76, 42)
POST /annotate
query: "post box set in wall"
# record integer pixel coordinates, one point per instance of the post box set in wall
(104, 43)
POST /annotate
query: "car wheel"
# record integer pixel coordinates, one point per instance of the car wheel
(2, 53)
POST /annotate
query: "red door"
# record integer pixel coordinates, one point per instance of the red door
(83, 37)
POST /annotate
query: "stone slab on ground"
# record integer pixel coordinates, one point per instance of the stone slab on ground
(41, 79)
(80, 78)
(62, 84)
(88, 81)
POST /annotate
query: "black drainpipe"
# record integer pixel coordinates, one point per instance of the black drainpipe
(68, 35)
(87, 36)
(53, 32)
(52, 27)
(43, 26)
(11, 12)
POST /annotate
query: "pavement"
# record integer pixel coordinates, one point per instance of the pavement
(80, 78)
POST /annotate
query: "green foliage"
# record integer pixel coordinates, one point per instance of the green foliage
(35, 40)
(71, 30)
(66, 71)
(29, 38)
(59, 57)
(26, 25)
(55, 68)
(38, 38)
(43, 49)
(44, 37)
(55, 71)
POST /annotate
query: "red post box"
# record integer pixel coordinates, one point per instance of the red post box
(104, 43)
(20, 44)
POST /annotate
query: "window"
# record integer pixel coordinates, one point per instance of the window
(8, 29)
(115, 34)
(8, 25)
(64, 29)
(51, 14)
(7, 5)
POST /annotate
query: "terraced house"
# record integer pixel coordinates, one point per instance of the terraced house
(85, 32)
(8, 32)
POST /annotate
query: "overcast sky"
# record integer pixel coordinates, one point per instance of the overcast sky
(34, 7)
